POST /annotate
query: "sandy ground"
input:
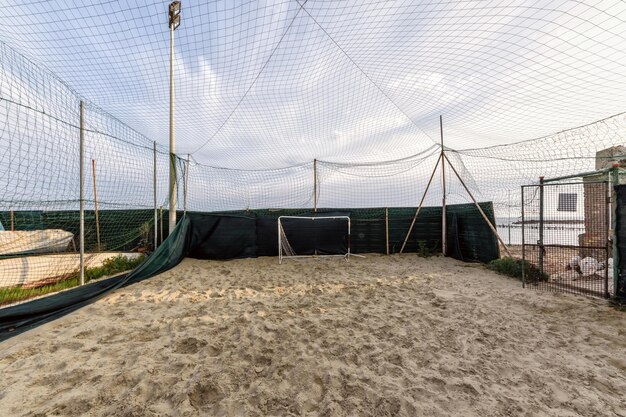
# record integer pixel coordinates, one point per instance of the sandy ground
(381, 336)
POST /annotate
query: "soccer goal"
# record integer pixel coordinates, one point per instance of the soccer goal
(323, 236)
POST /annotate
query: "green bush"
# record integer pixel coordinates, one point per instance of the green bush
(422, 250)
(512, 267)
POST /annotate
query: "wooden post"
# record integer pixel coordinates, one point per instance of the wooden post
(161, 224)
(444, 228)
(419, 207)
(491, 226)
(315, 185)
(387, 228)
(95, 200)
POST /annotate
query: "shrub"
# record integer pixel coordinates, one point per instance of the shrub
(422, 250)
(512, 267)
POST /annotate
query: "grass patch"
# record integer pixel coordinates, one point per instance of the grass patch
(512, 267)
(109, 267)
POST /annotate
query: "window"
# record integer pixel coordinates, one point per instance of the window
(567, 202)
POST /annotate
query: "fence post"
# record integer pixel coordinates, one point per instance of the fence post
(387, 228)
(444, 227)
(82, 194)
(154, 192)
(315, 185)
(616, 261)
(523, 243)
(186, 186)
(510, 224)
(95, 202)
(161, 224)
(541, 212)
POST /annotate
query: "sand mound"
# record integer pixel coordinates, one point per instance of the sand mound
(382, 336)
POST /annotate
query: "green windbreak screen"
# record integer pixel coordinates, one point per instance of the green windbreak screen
(19, 318)
(469, 236)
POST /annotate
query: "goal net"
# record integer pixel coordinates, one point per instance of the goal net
(300, 236)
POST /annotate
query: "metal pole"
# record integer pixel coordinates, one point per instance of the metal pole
(523, 244)
(509, 217)
(186, 186)
(95, 201)
(387, 229)
(280, 246)
(607, 227)
(173, 188)
(419, 207)
(540, 241)
(82, 195)
(444, 228)
(315, 185)
(12, 220)
(491, 226)
(154, 191)
(616, 258)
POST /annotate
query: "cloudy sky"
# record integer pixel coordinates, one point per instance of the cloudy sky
(270, 83)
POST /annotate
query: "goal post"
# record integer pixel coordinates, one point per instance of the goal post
(313, 236)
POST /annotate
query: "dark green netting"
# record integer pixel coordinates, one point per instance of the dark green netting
(254, 233)
(22, 317)
(120, 230)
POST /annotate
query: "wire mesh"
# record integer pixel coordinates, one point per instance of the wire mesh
(566, 237)
(292, 104)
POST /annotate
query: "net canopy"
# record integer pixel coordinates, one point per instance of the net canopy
(271, 84)
(298, 104)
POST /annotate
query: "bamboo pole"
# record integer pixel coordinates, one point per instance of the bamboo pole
(315, 185)
(82, 195)
(154, 192)
(444, 226)
(491, 226)
(387, 228)
(95, 199)
(419, 208)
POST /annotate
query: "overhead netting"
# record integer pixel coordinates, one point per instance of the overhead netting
(288, 104)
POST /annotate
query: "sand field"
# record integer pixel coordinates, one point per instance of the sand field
(380, 336)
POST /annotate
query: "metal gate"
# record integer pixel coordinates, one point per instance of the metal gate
(565, 237)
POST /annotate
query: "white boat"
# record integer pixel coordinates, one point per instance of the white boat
(34, 270)
(22, 242)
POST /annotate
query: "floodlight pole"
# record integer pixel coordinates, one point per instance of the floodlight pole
(173, 13)
(444, 243)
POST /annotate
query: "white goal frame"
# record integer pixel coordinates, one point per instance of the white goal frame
(281, 256)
